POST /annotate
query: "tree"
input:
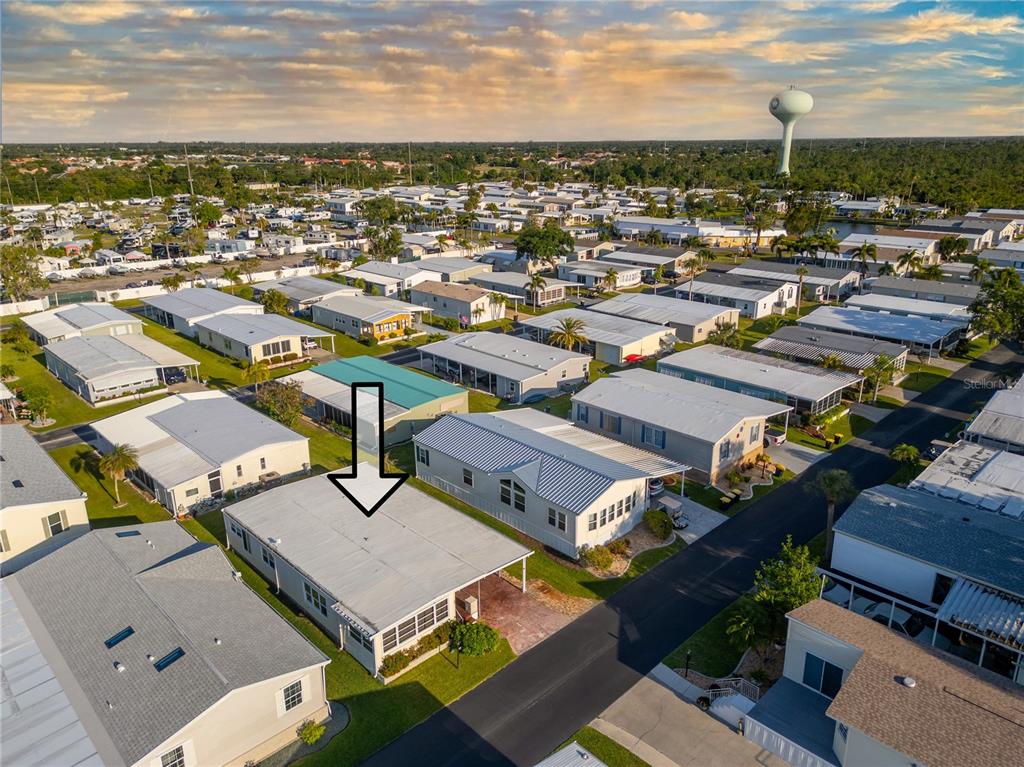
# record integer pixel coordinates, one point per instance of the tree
(233, 275)
(909, 261)
(659, 274)
(880, 373)
(172, 282)
(930, 272)
(206, 213)
(654, 237)
(726, 335)
(905, 454)
(274, 301)
(836, 486)
(886, 270)
(831, 362)
(537, 283)
(119, 461)
(256, 373)
(19, 271)
(323, 263)
(951, 246)
(548, 243)
(472, 201)
(998, 311)
(569, 333)
(7, 371)
(39, 402)
(383, 244)
(801, 272)
(762, 219)
(282, 401)
(764, 459)
(981, 269)
(610, 279)
(249, 267)
(379, 211)
(696, 264)
(867, 251)
(194, 271)
(772, 322)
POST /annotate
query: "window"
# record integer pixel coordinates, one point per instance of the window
(723, 450)
(292, 695)
(5, 545)
(169, 658)
(518, 497)
(315, 599)
(173, 758)
(556, 519)
(604, 517)
(943, 583)
(629, 502)
(235, 528)
(619, 508)
(55, 524)
(119, 637)
(844, 731)
(592, 521)
(506, 492)
(358, 636)
(191, 492)
(268, 558)
(611, 423)
(263, 463)
(755, 432)
(422, 455)
(652, 436)
(407, 629)
(238, 470)
(467, 477)
(286, 346)
(822, 676)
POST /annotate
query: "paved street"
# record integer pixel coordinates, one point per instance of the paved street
(526, 710)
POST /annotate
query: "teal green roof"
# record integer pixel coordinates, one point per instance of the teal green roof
(401, 386)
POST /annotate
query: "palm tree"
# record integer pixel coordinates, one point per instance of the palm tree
(497, 299)
(981, 270)
(477, 312)
(537, 284)
(234, 277)
(569, 333)
(836, 485)
(772, 322)
(726, 335)
(764, 459)
(886, 270)
(909, 261)
(801, 272)
(831, 362)
(610, 278)
(257, 373)
(880, 373)
(119, 461)
(930, 272)
(695, 265)
(172, 282)
(194, 271)
(905, 454)
(322, 263)
(867, 251)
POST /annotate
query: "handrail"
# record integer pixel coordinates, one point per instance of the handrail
(732, 685)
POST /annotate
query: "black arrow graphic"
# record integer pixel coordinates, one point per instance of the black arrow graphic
(368, 498)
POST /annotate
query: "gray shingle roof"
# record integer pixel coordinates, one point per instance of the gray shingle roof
(980, 545)
(39, 478)
(174, 593)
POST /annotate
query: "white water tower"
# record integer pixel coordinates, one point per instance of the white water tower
(787, 107)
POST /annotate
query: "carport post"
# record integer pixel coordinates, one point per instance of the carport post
(524, 575)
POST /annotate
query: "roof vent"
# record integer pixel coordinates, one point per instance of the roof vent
(17, 483)
(908, 681)
(216, 640)
(236, 574)
(149, 657)
(274, 541)
(120, 667)
(965, 519)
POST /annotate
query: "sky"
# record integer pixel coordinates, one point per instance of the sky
(145, 70)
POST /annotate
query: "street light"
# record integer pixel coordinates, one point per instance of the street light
(687, 674)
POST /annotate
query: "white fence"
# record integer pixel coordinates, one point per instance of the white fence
(25, 307)
(123, 294)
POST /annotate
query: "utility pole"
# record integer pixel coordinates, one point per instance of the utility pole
(409, 147)
(151, 195)
(36, 184)
(188, 167)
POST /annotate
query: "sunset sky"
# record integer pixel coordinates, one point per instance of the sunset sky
(395, 71)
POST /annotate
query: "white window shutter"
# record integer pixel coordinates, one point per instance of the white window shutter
(63, 519)
(46, 529)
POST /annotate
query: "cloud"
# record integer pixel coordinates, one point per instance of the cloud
(66, 104)
(87, 13)
(939, 24)
(692, 20)
(242, 32)
(790, 52)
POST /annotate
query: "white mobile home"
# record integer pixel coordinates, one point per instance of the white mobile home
(182, 309)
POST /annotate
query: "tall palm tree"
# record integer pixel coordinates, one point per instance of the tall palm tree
(118, 462)
(726, 335)
(497, 299)
(234, 277)
(909, 261)
(172, 282)
(866, 252)
(930, 272)
(836, 485)
(611, 278)
(981, 269)
(194, 271)
(569, 333)
(537, 284)
(801, 272)
(886, 270)
(695, 265)
(257, 373)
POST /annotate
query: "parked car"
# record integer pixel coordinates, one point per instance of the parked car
(531, 399)
(54, 277)
(134, 285)
(174, 376)
(88, 274)
(774, 437)
(680, 521)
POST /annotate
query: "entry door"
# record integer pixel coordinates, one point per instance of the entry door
(245, 541)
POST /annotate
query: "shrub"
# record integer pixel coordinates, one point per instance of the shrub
(760, 676)
(619, 547)
(276, 360)
(734, 478)
(659, 523)
(394, 663)
(310, 732)
(474, 638)
(368, 340)
(596, 556)
(290, 356)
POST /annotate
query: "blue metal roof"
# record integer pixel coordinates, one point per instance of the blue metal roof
(401, 386)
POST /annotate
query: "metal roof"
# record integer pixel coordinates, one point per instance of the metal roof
(449, 264)
(811, 345)
(985, 547)
(990, 613)
(518, 280)
(793, 379)
(386, 269)
(95, 586)
(183, 436)
(508, 356)
(992, 480)
(39, 478)
(703, 412)
(454, 290)
(728, 285)
(368, 308)
(661, 310)
(626, 256)
(891, 327)
(914, 307)
(93, 357)
(413, 551)
(191, 303)
(339, 395)
(305, 289)
(252, 329)
(937, 287)
(402, 386)
(573, 755)
(1002, 418)
(557, 471)
(775, 272)
(600, 328)
(72, 319)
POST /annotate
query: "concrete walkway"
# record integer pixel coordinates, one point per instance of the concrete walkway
(297, 749)
(796, 458)
(656, 722)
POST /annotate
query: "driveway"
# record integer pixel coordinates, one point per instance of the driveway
(796, 458)
(520, 618)
(657, 724)
(702, 519)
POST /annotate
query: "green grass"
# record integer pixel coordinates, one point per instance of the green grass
(887, 402)
(529, 309)
(379, 714)
(850, 425)
(557, 572)
(709, 496)
(711, 651)
(68, 408)
(81, 463)
(921, 378)
(482, 402)
(327, 450)
(346, 346)
(606, 749)
(976, 349)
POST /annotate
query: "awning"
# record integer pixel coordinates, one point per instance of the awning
(991, 613)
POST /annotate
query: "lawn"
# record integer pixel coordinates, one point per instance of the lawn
(528, 309)
(708, 495)
(346, 346)
(482, 402)
(81, 463)
(68, 408)
(850, 425)
(976, 348)
(379, 714)
(711, 652)
(327, 450)
(558, 572)
(921, 378)
(606, 749)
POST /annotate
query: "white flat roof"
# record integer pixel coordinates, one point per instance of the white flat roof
(661, 310)
(508, 356)
(600, 328)
(72, 319)
(413, 551)
(190, 303)
(878, 325)
(96, 356)
(917, 307)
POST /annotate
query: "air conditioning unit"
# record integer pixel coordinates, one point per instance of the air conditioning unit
(468, 606)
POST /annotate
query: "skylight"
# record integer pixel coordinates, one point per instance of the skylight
(119, 637)
(127, 533)
(169, 658)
